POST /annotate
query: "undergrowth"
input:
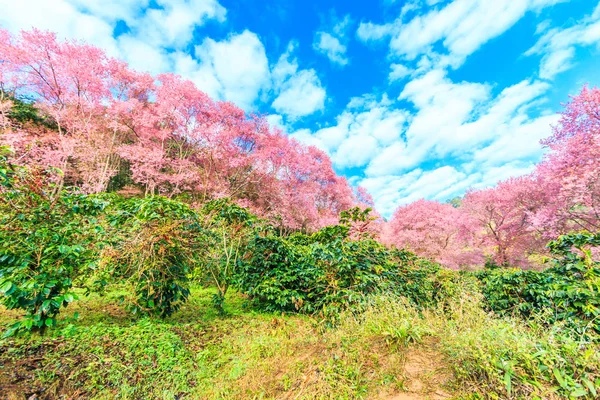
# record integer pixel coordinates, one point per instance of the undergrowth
(200, 353)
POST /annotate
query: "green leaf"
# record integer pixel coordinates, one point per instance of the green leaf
(590, 386)
(578, 392)
(6, 287)
(508, 382)
(559, 377)
(46, 305)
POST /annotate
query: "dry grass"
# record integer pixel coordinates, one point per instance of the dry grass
(388, 350)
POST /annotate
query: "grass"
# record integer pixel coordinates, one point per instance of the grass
(388, 350)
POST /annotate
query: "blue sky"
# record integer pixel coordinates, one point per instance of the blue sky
(411, 99)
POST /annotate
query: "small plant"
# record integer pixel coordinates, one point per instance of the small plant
(46, 243)
(567, 291)
(228, 230)
(152, 245)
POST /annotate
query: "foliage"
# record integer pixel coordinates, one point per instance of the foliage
(504, 358)
(437, 231)
(571, 169)
(459, 351)
(23, 111)
(568, 291)
(228, 230)
(327, 271)
(512, 221)
(504, 214)
(424, 283)
(152, 244)
(46, 243)
(112, 126)
(311, 273)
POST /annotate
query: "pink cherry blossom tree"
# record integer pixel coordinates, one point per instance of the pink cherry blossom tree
(571, 169)
(503, 216)
(162, 132)
(436, 231)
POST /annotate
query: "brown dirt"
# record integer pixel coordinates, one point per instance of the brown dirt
(18, 378)
(426, 375)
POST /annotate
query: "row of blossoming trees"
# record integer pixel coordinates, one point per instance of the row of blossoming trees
(511, 222)
(108, 124)
(107, 127)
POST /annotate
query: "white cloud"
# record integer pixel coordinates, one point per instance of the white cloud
(368, 101)
(492, 176)
(111, 10)
(301, 95)
(395, 158)
(456, 119)
(300, 92)
(341, 26)
(398, 71)
(305, 136)
(504, 115)
(58, 16)
(235, 69)
(557, 46)
(355, 151)
(392, 191)
(461, 27)
(276, 120)
(143, 56)
(370, 32)
(332, 137)
(519, 138)
(239, 64)
(172, 25)
(470, 138)
(443, 106)
(360, 134)
(331, 46)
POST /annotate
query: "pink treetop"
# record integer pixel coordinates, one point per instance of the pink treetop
(164, 133)
(433, 230)
(503, 214)
(571, 170)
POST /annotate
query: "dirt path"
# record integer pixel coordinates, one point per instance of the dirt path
(426, 375)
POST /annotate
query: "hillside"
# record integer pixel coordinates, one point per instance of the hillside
(155, 243)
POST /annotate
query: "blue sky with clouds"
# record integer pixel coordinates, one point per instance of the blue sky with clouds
(411, 99)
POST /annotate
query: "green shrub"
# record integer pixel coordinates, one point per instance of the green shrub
(329, 271)
(228, 228)
(46, 243)
(567, 291)
(310, 273)
(152, 244)
(423, 282)
(504, 358)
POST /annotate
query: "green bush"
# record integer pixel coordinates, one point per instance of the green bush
(423, 282)
(46, 243)
(329, 271)
(152, 244)
(325, 271)
(567, 291)
(228, 228)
